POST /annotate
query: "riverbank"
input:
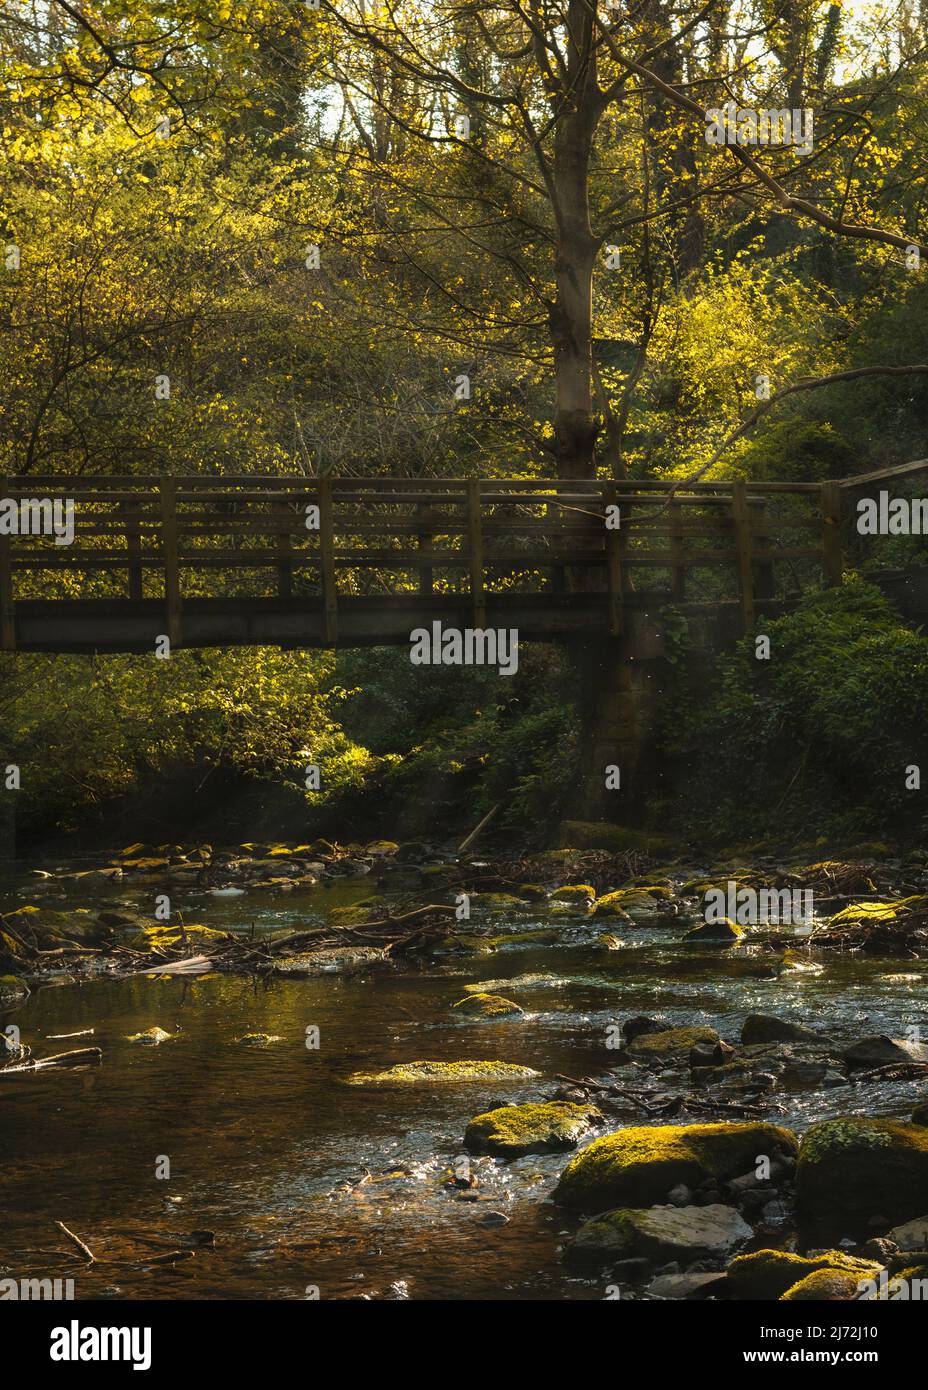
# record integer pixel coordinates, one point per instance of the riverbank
(451, 1080)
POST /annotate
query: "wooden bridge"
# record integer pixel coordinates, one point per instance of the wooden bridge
(216, 561)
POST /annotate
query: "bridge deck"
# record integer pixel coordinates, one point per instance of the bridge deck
(307, 562)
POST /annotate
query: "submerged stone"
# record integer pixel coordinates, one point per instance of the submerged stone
(513, 1130)
(151, 1036)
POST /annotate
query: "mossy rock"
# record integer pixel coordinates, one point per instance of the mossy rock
(865, 912)
(357, 915)
(514, 1130)
(12, 991)
(640, 1165)
(487, 1006)
(852, 1169)
(767, 1274)
(258, 1039)
(443, 1073)
(462, 944)
(604, 835)
(523, 938)
(622, 901)
(574, 893)
(153, 1037)
(661, 1233)
(381, 848)
(533, 892)
(725, 932)
(671, 1042)
(497, 902)
(824, 1286)
(196, 938)
(920, 1114)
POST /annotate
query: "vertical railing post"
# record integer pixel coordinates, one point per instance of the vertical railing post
(7, 611)
(613, 545)
(678, 570)
(134, 551)
(765, 585)
(833, 559)
(280, 513)
(167, 488)
(475, 549)
(327, 564)
(424, 542)
(743, 552)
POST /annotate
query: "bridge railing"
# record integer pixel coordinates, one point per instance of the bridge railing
(325, 542)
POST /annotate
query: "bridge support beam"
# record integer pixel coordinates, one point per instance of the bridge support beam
(618, 724)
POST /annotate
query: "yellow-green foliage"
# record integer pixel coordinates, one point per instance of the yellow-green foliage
(767, 1274)
(638, 1166)
(523, 1129)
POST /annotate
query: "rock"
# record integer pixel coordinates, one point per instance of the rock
(685, 1234)
(259, 1039)
(636, 1027)
(530, 1129)
(494, 1218)
(721, 933)
(443, 1073)
(151, 1036)
(764, 1028)
(920, 1114)
(411, 852)
(825, 1286)
(691, 1285)
(641, 1164)
(487, 1006)
(579, 893)
(880, 1051)
(382, 849)
(12, 991)
(767, 1274)
(680, 1196)
(604, 835)
(851, 1168)
(671, 1042)
(912, 1235)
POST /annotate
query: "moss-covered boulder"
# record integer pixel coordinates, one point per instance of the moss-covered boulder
(486, 1006)
(152, 1037)
(670, 1042)
(258, 1039)
(639, 1166)
(824, 1286)
(852, 1170)
(580, 893)
(195, 939)
(724, 932)
(658, 1234)
(920, 1114)
(767, 1274)
(443, 1073)
(543, 937)
(513, 1130)
(12, 991)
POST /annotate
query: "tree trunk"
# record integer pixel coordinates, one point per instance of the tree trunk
(571, 315)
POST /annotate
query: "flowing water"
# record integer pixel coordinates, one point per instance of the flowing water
(311, 1183)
